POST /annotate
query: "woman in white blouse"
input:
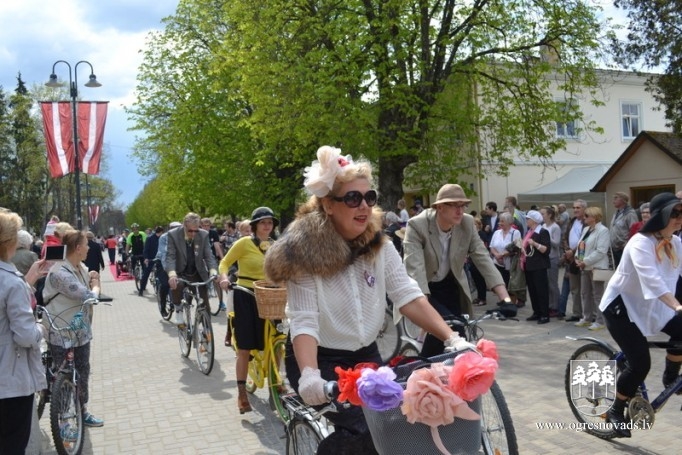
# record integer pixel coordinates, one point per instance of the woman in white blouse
(339, 267)
(500, 242)
(639, 301)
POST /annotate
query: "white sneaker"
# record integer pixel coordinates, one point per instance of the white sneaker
(180, 320)
(596, 326)
(582, 323)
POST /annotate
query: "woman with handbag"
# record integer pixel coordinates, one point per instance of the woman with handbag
(535, 264)
(592, 254)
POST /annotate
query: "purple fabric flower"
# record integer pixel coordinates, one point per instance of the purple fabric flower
(378, 389)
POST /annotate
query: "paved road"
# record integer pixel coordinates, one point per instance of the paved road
(154, 401)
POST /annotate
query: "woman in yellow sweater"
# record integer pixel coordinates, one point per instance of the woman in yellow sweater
(249, 254)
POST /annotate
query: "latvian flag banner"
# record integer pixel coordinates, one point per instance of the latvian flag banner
(58, 126)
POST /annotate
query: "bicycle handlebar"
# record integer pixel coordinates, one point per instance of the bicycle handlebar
(197, 283)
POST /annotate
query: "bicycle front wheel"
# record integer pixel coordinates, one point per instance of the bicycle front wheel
(185, 333)
(137, 273)
(204, 343)
(66, 418)
(213, 303)
(277, 380)
(589, 410)
(497, 429)
(388, 340)
(302, 437)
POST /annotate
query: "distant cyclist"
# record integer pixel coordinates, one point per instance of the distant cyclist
(135, 245)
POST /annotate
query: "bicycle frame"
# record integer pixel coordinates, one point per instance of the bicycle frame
(618, 355)
(266, 363)
(203, 341)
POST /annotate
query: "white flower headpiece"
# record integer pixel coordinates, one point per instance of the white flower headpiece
(320, 176)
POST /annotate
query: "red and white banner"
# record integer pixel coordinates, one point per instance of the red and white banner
(93, 211)
(58, 126)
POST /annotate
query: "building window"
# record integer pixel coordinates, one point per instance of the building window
(566, 129)
(631, 119)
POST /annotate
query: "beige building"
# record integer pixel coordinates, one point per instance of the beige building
(627, 110)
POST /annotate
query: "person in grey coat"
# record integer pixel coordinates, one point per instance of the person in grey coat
(188, 256)
(21, 370)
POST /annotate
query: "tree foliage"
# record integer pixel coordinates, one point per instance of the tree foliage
(238, 95)
(654, 39)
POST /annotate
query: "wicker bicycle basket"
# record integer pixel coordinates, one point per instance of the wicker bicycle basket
(270, 299)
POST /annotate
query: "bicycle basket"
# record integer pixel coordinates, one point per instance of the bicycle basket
(270, 299)
(392, 433)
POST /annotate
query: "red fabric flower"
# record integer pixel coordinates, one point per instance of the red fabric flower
(487, 348)
(348, 389)
(472, 375)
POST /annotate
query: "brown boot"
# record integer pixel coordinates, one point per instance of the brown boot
(243, 399)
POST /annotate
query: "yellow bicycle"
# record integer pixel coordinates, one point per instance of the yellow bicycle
(268, 363)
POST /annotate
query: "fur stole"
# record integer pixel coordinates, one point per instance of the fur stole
(311, 246)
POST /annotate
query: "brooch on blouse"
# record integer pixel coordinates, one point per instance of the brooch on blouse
(370, 279)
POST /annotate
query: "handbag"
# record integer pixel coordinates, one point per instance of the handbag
(604, 274)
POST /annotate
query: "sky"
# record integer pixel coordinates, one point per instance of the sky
(109, 34)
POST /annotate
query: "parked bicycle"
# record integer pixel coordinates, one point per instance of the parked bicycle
(307, 427)
(66, 413)
(197, 329)
(497, 428)
(590, 407)
(268, 363)
(392, 337)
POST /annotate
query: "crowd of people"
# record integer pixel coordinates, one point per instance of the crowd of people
(339, 257)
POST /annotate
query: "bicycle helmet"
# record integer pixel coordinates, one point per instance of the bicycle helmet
(134, 226)
(262, 213)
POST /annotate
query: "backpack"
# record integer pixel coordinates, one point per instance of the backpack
(40, 286)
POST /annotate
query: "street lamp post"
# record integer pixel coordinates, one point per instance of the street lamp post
(73, 91)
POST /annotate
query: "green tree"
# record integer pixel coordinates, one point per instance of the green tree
(23, 180)
(247, 91)
(654, 39)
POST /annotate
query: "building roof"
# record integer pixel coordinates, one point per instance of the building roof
(575, 184)
(668, 143)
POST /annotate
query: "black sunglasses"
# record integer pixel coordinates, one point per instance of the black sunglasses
(192, 231)
(675, 213)
(353, 199)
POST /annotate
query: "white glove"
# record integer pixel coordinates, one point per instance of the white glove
(311, 387)
(457, 343)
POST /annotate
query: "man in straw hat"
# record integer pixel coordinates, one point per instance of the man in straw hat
(436, 245)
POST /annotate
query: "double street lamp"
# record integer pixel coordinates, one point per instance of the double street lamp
(73, 88)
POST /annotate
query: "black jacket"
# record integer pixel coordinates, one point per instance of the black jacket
(94, 260)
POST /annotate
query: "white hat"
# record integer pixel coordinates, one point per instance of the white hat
(535, 216)
(174, 224)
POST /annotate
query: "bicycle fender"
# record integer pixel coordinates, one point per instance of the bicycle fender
(602, 343)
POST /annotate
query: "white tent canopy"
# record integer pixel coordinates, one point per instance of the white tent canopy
(575, 184)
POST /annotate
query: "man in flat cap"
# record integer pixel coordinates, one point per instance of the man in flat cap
(436, 245)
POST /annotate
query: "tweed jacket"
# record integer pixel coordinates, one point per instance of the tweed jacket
(422, 250)
(176, 254)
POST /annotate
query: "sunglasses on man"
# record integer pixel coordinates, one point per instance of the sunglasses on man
(353, 199)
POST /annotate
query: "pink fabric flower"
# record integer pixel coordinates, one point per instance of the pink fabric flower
(487, 348)
(472, 375)
(428, 400)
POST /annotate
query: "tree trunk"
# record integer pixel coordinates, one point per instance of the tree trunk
(391, 177)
